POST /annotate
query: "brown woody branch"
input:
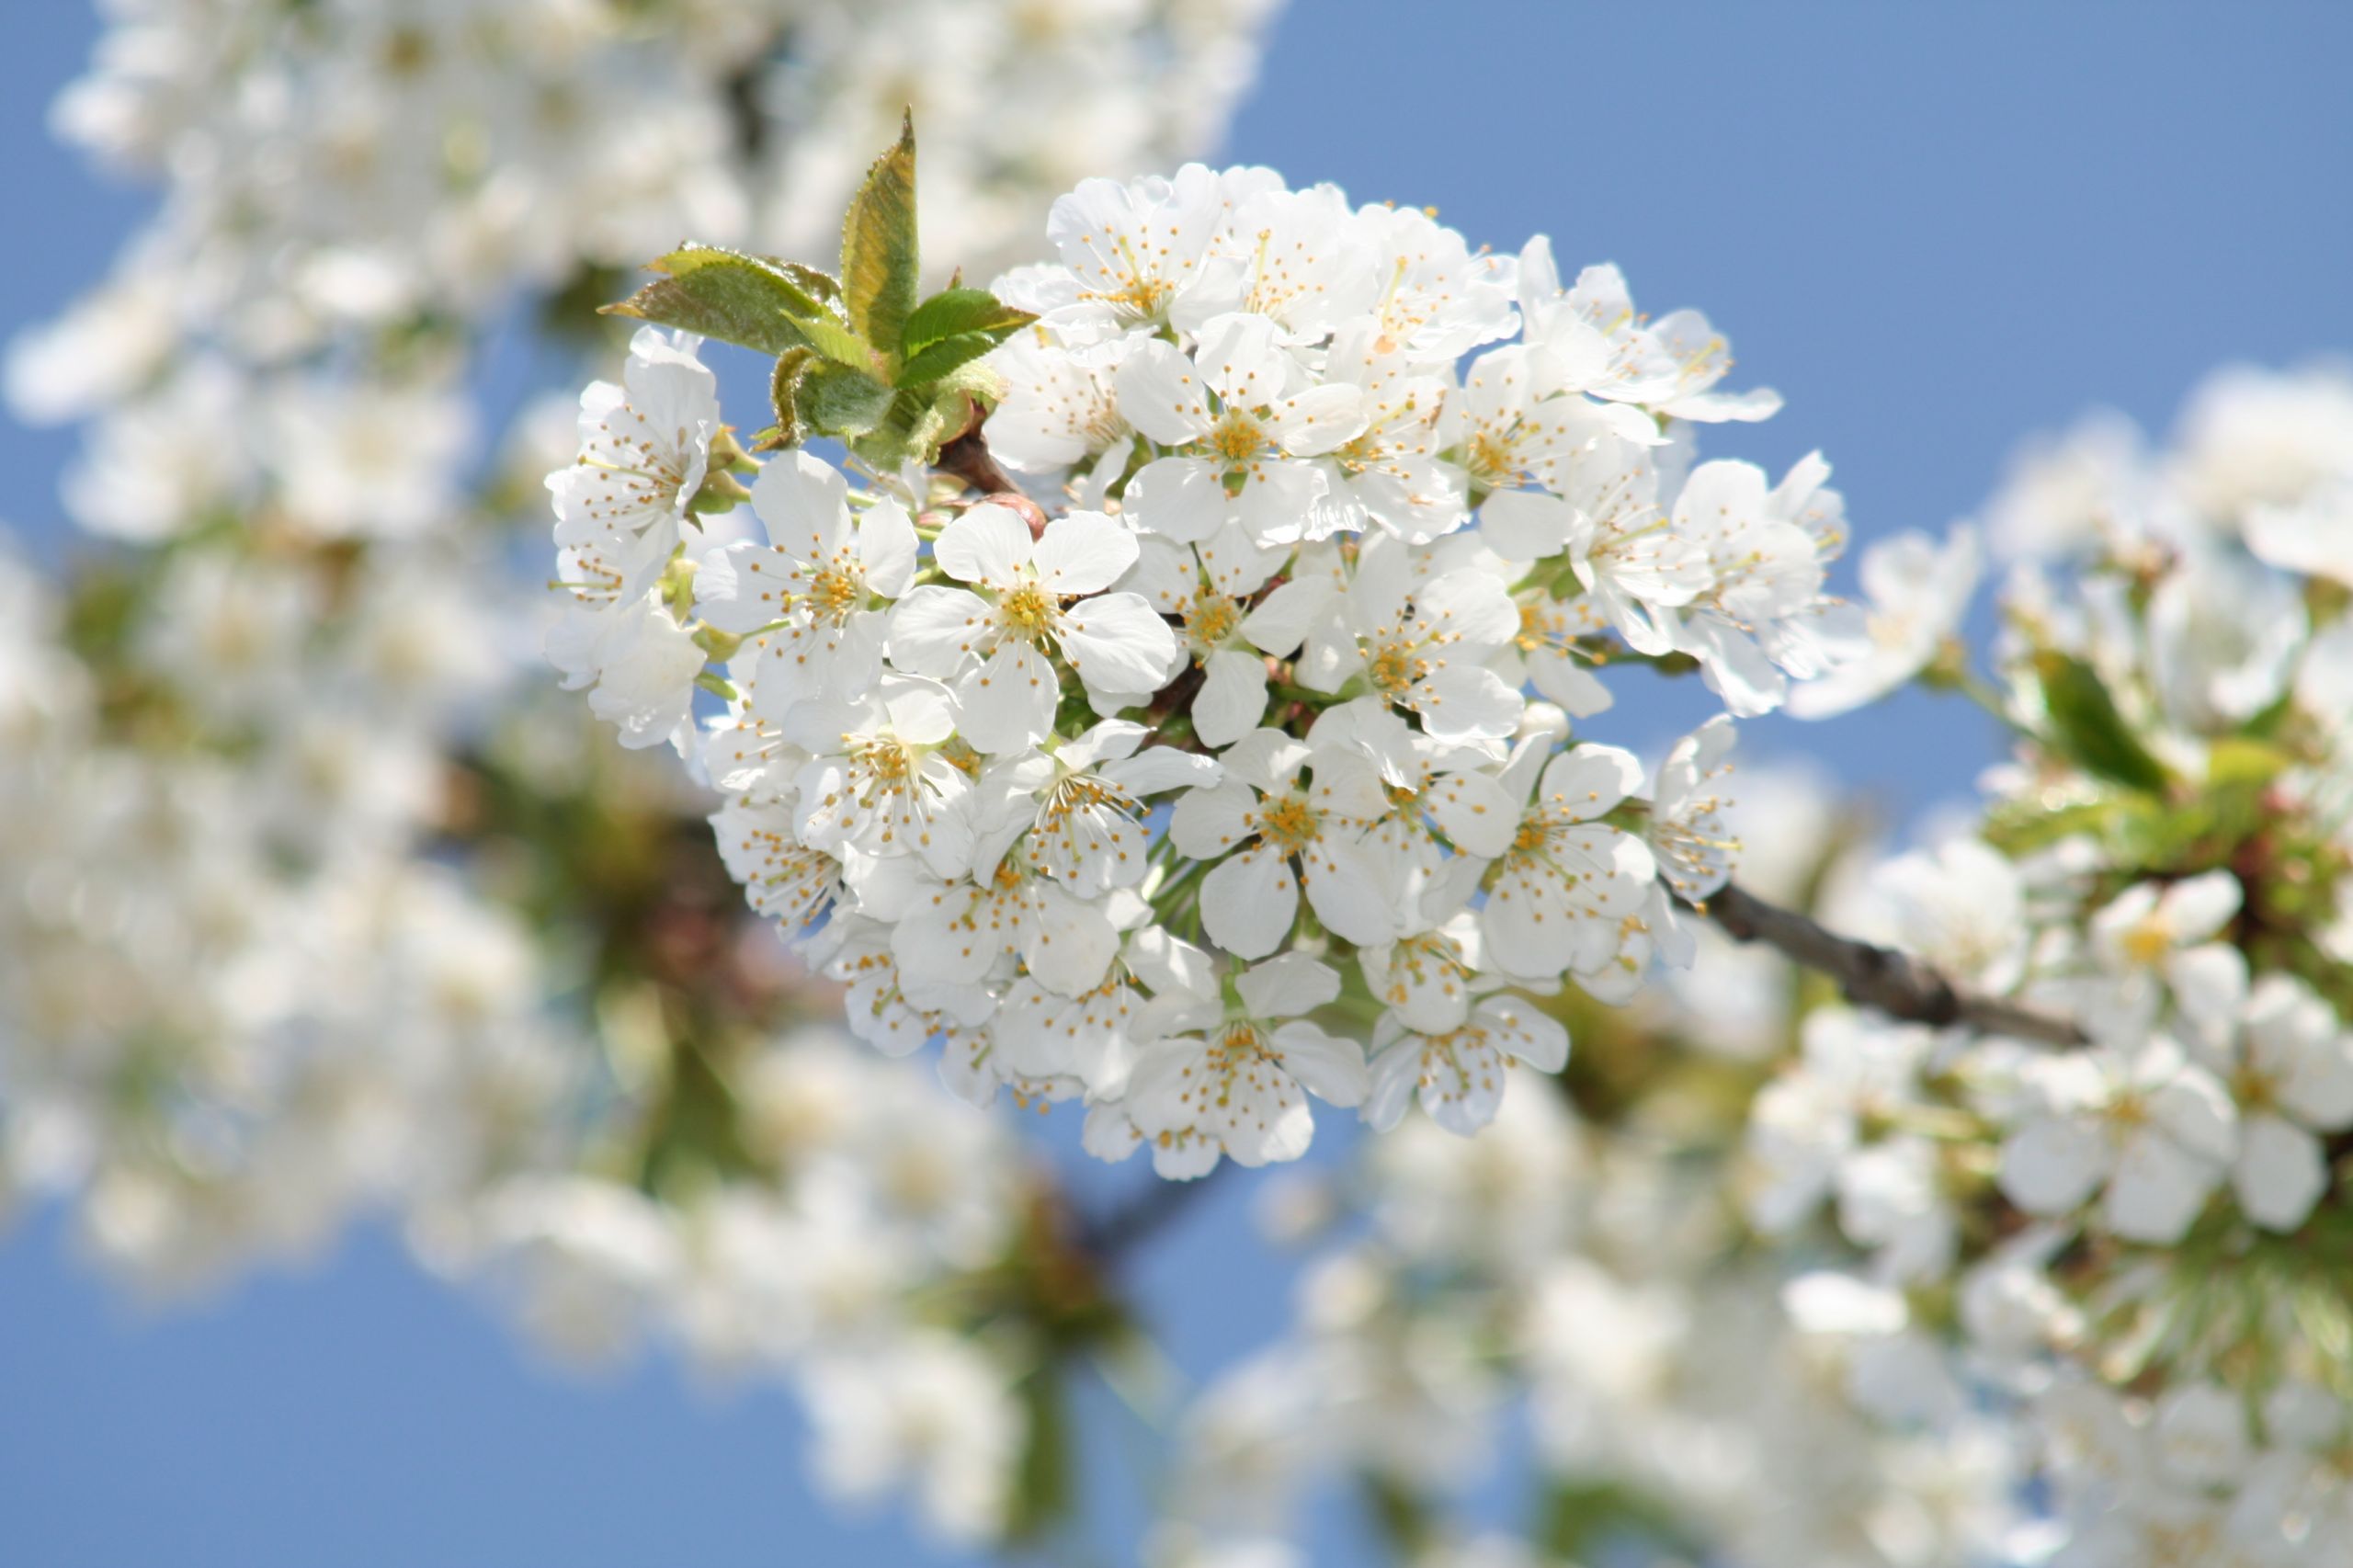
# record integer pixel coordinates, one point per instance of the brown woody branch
(1895, 984)
(968, 458)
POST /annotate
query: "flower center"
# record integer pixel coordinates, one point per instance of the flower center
(1396, 666)
(1238, 438)
(1210, 618)
(1289, 824)
(834, 593)
(2148, 942)
(1028, 610)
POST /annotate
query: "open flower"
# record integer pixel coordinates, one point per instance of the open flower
(818, 592)
(1232, 1060)
(1420, 643)
(1243, 460)
(1261, 821)
(1459, 1075)
(2157, 1131)
(2293, 1082)
(1559, 896)
(1036, 596)
(1083, 803)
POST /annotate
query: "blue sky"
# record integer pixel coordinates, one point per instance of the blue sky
(1934, 228)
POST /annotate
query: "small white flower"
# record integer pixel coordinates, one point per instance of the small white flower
(1203, 587)
(2293, 1081)
(1420, 643)
(645, 448)
(1687, 834)
(1236, 1065)
(1764, 618)
(1558, 896)
(877, 779)
(2156, 1131)
(827, 581)
(1035, 595)
(1261, 820)
(1083, 803)
(1918, 594)
(1459, 1075)
(1243, 461)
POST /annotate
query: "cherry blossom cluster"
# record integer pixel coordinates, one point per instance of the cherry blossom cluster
(1257, 749)
(2138, 1241)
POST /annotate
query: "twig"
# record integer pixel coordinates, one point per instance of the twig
(1112, 1236)
(1895, 983)
(968, 458)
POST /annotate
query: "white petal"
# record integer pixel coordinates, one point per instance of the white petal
(741, 587)
(886, 544)
(1083, 554)
(1008, 703)
(933, 630)
(1345, 890)
(1475, 812)
(987, 544)
(1526, 525)
(1069, 945)
(803, 501)
(1159, 393)
(2158, 1190)
(1287, 986)
(1115, 641)
(1208, 823)
(2280, 1173)
(1519, 1029)
(1178, 499)
(2053, 1163)
(1333, 1070)
(1233, 696)
(1589, 780)
(1249, 902)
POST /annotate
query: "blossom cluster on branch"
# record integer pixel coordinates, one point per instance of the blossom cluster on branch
(1252, 744)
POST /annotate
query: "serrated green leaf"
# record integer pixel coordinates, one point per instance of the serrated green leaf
(820, 284)
(953, 312)
(881, 260)
(2088, 727)
(940, 359)
(839, 343)
(726, 295)
(834, 400)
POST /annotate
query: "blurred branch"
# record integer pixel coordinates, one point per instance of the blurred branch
(1895, 984)
(1111, 1236)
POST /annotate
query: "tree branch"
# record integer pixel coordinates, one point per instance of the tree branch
(1895, 984)
(1112, 1236)
(968, 458)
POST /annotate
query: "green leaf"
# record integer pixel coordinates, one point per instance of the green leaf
(2233, 760)
(2089, 729)
(880, 262)
(722, 294)
(784, 386)
(918, 421)
(834, 400)
(952, 312)
(817, 282)
(938, 359)
(840, 345)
